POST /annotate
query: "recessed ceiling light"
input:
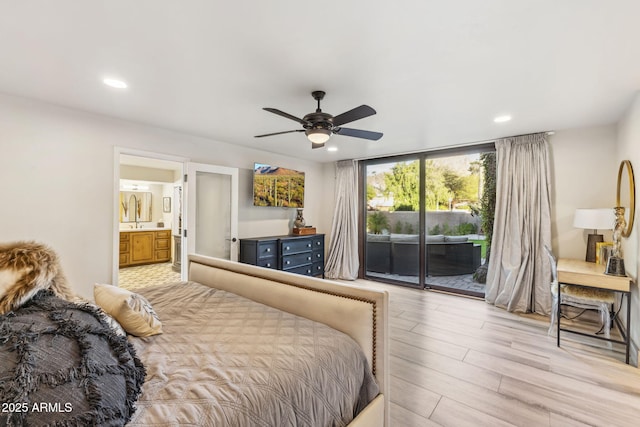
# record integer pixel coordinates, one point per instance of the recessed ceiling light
(118, 84)
(502, 119)
(332, 148)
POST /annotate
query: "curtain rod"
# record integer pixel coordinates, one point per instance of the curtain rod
(462, 145)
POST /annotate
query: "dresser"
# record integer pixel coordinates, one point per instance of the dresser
(295, 254)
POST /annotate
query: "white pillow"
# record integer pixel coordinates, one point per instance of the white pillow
(131, 310)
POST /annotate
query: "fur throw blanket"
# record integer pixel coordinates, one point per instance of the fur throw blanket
(25, 269)
(62, 365)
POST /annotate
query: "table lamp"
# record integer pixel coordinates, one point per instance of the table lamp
(594, 219)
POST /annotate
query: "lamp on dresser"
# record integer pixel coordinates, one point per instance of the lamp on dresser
(594, 219)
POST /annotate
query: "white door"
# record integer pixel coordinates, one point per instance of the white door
(211, 229)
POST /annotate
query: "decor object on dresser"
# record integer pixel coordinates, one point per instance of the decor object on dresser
(615, 263)
(319, 126)
(593, 219)
(299, 221)
(302, 254)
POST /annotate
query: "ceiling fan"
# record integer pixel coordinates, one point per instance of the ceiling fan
(319, 126)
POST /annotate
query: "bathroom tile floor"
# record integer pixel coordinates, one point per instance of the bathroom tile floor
(147, 275)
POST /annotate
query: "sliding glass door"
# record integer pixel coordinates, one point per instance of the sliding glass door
(424, 220)
(392, 242)
(454, 236)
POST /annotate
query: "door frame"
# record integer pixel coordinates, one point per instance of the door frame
(421, 157)
(189, 198)
(117, 151)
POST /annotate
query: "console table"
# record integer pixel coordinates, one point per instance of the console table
(591, 275)
(296, 254)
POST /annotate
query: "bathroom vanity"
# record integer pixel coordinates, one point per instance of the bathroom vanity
(145, 246)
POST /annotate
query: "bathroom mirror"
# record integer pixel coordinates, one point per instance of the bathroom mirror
(626, 194)
(135, 206)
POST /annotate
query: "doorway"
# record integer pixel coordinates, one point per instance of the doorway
(192, 208)
(149, 215)
(423, 220)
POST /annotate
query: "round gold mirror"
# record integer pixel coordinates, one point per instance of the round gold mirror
(626, 194)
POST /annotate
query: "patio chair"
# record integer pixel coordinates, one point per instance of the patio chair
(579, 297)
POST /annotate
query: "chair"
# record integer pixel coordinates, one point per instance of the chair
(576, 296)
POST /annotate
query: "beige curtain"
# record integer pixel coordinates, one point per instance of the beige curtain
(342, 260)
(518, 276)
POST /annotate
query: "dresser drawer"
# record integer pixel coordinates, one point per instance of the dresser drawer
(318, 268)
(306, 270)
(295, 246)
(291, 261)
(318, 243)
(267, 249)
(318, 256)
(268, 262)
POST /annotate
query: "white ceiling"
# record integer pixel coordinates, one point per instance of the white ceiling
(436, 71)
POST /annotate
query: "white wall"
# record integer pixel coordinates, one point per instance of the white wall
(57, 174)
(583, 175)
(628, 141)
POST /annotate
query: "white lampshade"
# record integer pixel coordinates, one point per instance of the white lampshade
(594, 219)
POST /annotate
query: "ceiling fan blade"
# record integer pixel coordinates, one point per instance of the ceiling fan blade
(352, 115)
(279, 133)
(287, 115)
(358, 133)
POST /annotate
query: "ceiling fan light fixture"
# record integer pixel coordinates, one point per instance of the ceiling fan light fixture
(318, 136)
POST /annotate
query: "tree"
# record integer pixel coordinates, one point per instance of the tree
(404, 183)
(436, 191)
(487, 209)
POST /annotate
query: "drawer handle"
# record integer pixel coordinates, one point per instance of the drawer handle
(268, 249)
(308, 271)
(288, 262)
(268, 264)
(308, 258)
(309, 245)
(318, 256)
(318, 243)
(287, 248)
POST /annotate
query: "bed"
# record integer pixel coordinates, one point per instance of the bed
(235, 345)
(244, 345)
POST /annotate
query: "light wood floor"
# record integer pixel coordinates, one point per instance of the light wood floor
(458, 361)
